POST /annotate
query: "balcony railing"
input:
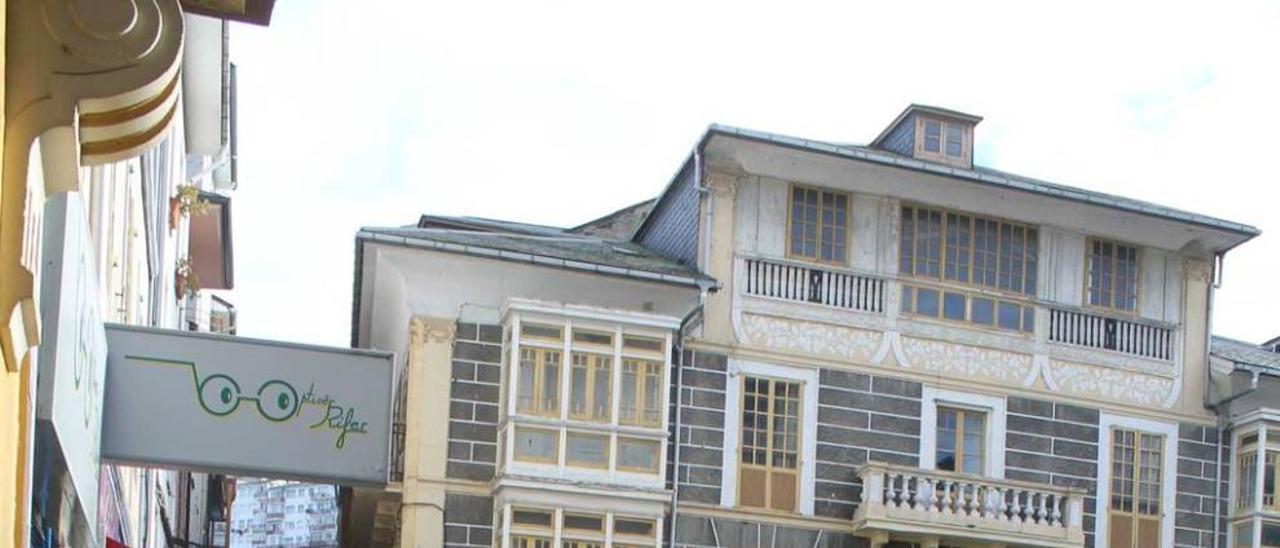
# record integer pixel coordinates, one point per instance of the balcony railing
(1092, 330)
(397, 452)
(815, 285)
(943, 504)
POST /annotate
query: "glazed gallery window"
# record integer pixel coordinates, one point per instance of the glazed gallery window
(1113, 275)
(967, 249)
(819, 225)
(592, 365)
(1247, 471)
(961, 440)
(1136, 487)
(579, 529)
(770, 452)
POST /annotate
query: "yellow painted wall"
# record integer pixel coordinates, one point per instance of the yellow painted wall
(12, 397)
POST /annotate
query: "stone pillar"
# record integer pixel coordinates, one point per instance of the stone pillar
(426, 432)
(720, 203)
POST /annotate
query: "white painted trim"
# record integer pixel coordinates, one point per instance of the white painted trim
(733, 420)
(1168, 501)
(591, 313)
(994, 406)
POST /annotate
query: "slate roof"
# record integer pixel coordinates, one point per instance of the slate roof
(987, 176)
(482, 224)
(561, 250)
(1245, 355)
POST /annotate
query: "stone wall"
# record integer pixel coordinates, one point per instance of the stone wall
(1197, 490)
(473, 402)
(468, 521)
(701, 426)
(1055, 444)
(861, 418)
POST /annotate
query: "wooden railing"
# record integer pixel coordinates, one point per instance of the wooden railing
(895, 497)
(1082, 328)
(815, 285)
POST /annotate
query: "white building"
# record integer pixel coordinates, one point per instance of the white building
(284, 513)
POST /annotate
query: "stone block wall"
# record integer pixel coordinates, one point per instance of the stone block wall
(468, 521)
(1198, 448)
(1055, 444)
(861, 418)
(701, 438)
(473, 402)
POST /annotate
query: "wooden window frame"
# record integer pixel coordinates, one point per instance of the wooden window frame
(541, 360)
(965, 159)
(1135, 493)
(608, 450)
(593, 369)
(657, 455)
(769, 468)
(909, 243)
(959, 438)
(643, 370)
(1026, 310)
(1112, 294)
(557, 432)
(818, 239)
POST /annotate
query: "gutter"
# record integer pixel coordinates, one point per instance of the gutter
(679, 372)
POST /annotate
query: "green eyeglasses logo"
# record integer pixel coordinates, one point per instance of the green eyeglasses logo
(276, 400)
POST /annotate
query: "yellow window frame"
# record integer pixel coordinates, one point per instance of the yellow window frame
(819, 224)
(1112, 295)
(959, 450)
(645, 369)
(593, 365)
(770, 468)
(969, 254)
(538, 403)
(1139, 520)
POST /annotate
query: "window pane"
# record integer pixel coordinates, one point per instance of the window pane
(908, 303)
(588, 450)
(955, 140)
(932, 136)
(953, 305)
(634, 454)
(538, 518)
(1010, 316)
(637, 527)
(1270, 534)
(906, 247)
(642, 344)
(927, 302)
(528, 374)
(582, 522)
(540, 331)
(537, 445)
(602, 379)
(983, 311)
(578, 385)
(629, 405)
(550, 382)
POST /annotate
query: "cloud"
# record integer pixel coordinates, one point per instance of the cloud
(555, 112)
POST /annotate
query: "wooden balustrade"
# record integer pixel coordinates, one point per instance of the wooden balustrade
(1081, 328)
(814, 285)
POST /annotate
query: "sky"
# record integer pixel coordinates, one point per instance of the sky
(371, 113)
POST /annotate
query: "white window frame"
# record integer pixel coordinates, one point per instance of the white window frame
(733, 427)
(995, 407)
(1168, 483)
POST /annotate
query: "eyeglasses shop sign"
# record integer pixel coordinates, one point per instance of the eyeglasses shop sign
(245, 406)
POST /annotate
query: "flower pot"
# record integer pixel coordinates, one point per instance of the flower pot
(175, 212)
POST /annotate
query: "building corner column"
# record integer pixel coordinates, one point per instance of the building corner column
(426, 431)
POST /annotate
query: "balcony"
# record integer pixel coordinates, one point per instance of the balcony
(816, 285)
(779, 281)
(900, 503)
(397, 452)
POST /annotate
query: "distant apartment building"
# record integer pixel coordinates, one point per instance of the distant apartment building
(285, 514)
(809, 344)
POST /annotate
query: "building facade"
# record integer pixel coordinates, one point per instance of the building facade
(813, 344)
(118, 162)
(284, 513)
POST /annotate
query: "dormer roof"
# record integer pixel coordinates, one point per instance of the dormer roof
(932, 134)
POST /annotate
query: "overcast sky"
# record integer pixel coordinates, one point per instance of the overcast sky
(371, 113)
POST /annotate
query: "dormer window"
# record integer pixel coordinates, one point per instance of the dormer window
(944, 141)
(932, 134)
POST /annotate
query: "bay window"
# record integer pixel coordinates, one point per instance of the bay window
(577, 528)
(588, 396)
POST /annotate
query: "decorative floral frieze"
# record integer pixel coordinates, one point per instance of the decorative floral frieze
(970, 362)
(1112, 384)
(812, 338)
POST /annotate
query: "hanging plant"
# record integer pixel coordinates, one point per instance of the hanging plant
(185, 281)
(190, 202)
